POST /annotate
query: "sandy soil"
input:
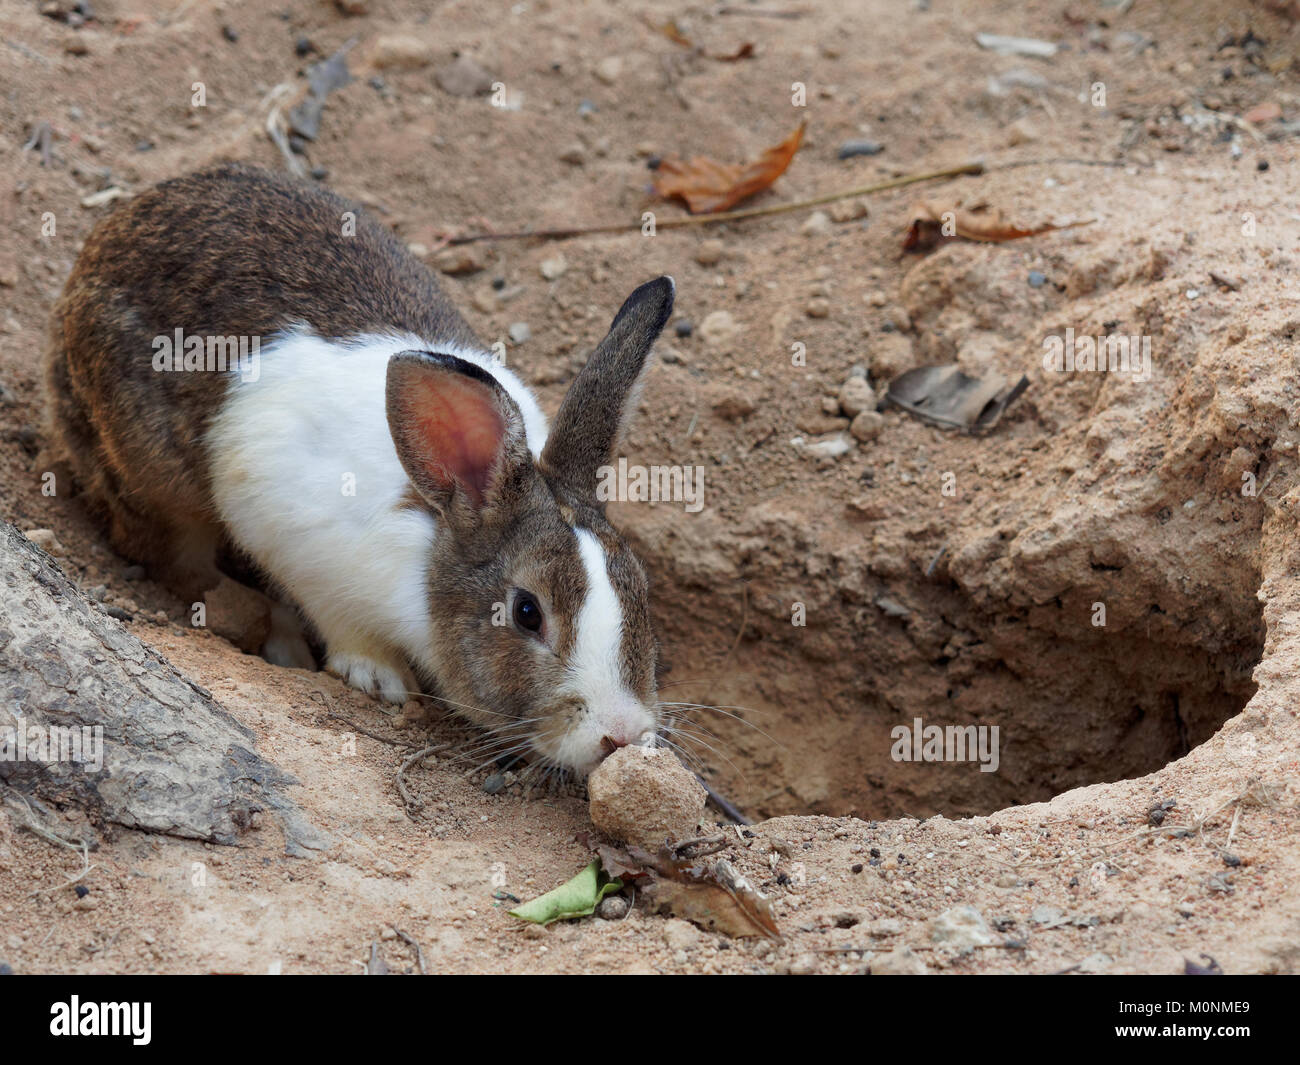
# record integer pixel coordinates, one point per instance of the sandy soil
(974, 605)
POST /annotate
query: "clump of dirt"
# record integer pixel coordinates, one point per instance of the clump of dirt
(1107, 577)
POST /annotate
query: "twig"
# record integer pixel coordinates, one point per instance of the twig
(33, 826)
(424, 752)
(366, 732)
(419, 950)
(764, 12)
(564, 233)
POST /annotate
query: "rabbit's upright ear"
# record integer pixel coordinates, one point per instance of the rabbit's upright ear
(592, 419)
(459, 436)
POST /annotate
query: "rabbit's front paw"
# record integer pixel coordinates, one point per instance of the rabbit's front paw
(385, 679)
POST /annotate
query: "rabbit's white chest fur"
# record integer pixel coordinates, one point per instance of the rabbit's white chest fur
(306, 478)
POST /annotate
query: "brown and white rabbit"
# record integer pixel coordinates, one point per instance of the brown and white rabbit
(390, 477)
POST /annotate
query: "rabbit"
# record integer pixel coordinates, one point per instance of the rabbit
(395, 484)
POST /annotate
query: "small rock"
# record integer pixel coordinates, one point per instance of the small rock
(574, 155)
(644, 795)
(856, 395)
(133, 573)
(554, 267)
(832, 447)
(46, 541)
(683, 327)
(609, 69)
(850, 149)
(1046, 915)
(464, 77)
(710, 252)
(494, 784)
(733, 406)
(400, 52)
(867, 426)
(613, 907)
(461, 259)
(1022, 46)
(1037, 279)
(817, 224)
(848, 211)
(519, 332)
(818, 307)
(485, 300)
(1021, 131)
(230, 33)
(962, 928)
(900, 961)
(891, 354)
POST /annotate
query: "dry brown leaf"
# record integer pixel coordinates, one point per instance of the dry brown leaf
(711, 895)
(743, 52)
(671, 30)
(932, 223)
(707, 186)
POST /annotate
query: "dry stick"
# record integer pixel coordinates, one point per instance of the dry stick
(411, 801)
(419, 950)
(725, 216)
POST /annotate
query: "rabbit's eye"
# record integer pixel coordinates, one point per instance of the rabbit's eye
(528, 615)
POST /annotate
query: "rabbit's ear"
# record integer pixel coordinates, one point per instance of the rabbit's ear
(459, 436)
(593, 416)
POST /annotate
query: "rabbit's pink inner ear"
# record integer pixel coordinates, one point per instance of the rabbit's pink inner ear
(454, 431)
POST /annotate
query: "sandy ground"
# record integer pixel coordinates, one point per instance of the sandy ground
(962, 599)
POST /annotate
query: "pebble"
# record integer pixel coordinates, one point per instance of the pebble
(867, 425)
(962, 928)
(613, 907)
(1037, 279)
(848, 211)
(683, 327)
(710, 252)
(890, 355)
(400, 52)
(462, 259)
(817, 224)
(830, 447)
(519, 332)
(574, 155)
(609, 68)
(464, 77)
(851, 149)
(733, 406)
(856, 396)
(46, 541)
(554, 267)
(818, 307)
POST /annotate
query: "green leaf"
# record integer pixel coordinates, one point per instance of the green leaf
(577, 898)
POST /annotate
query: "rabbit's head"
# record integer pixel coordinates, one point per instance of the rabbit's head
(540, 617)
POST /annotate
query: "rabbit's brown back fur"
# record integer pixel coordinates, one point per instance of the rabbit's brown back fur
(229, 251)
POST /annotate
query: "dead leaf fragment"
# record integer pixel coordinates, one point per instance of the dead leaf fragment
(707, 186)
(711, 895)
(934, 222)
